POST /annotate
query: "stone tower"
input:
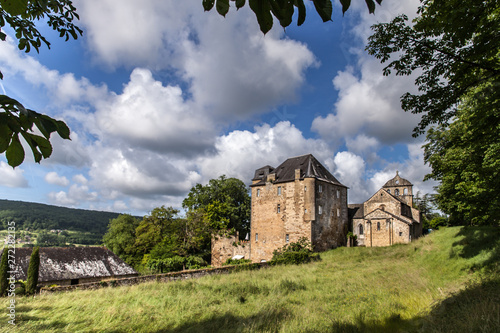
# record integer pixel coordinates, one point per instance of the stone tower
(400, 188)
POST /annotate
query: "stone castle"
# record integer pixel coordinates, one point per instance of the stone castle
(301, 198)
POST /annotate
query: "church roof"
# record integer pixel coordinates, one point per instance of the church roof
(64, 263)
(309, 167)
(397, 181)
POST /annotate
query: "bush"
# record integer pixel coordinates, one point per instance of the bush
(33, 267)
(231, 261)
(175, 263)
(299, 252)
(3, 272)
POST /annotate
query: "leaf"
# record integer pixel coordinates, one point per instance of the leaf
(302, 11)
(15, 152)
(14, 7)
(222, 7)
(345, 5)
(324, 9)
(63, 130)
(5, 137)
(262, 10)
(371, 6)
(240, 4)
(208, 5)
(43, 144)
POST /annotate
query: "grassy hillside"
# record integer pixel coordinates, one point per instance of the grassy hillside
(89, 225)
(448, 281)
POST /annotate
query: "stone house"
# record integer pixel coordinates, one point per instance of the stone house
(388, 217)
(72, 265)
(299, 198)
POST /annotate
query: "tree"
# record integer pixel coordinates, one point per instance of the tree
(120, 237)
(283, 10)
(465, 158)
(33, 268)
(15, 119)
(225, 203)
(453, 45)
(4, 267)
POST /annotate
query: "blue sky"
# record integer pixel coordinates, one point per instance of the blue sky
(160, 95)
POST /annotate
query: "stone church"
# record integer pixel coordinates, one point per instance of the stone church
(301, 198)
(388, 217)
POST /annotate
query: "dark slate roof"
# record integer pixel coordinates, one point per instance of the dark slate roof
(397, 181)
(262, 173)
(309, 167)
(355, 211)
(63, 263)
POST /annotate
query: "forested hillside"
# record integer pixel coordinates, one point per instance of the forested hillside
(91, 225)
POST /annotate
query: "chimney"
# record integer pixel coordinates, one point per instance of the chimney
(297, 174)
(271, 177)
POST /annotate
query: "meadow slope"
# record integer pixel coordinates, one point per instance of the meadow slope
(448, 281)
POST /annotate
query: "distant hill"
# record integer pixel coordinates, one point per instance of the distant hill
(35, 216)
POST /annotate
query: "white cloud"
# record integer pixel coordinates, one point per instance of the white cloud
(80, 179)
(11, 177)
(54, 179)
(76, 195)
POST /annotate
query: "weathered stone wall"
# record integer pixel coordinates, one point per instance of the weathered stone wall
(167, 277)
(82, 280)
(270, 223)
(224, 247)
(330, 227)
(384, 201)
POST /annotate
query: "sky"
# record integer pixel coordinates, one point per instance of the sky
(160, 95)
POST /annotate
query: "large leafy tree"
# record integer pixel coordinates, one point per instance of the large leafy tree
(16, 121)
(283, 10)
(120, 237)
(225, 203)
(453, 46)
(465, 158)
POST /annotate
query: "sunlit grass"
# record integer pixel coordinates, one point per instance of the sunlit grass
(350, 290)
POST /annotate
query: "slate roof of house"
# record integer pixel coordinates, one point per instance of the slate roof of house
(397, 181)
(355, 211)
(63, 263)
(309, 167)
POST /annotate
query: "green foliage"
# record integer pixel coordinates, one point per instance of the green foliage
(175, 263)
(454, 47)
(4, 267)
(283, 10)
(465, 158)
(120, 237)
(21, 290)
(295, 253)
(15, 119)
(225, 203)
(231, 261)
(33, 268)
(437, 222)
(86, 226)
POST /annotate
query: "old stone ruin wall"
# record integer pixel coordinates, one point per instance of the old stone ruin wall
(225, 247)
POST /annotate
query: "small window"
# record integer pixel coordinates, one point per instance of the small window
(396, 192)
(305, 188)
(320, 188)
(389, 191)
(387, 222)
(338, 194)
(397, 181)
(256, 237)
(287, 237)
(258, 192)
(405, 191)
(305, 210)
(378, 226)
(338, 211)
(400, 234)
(279, 190)
(360, 229)
(279, 208)
(74, 282)
(320, 210)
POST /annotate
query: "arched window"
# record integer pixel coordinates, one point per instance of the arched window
(405, 191)
(378, 226)
(388, 191)
(396, 192)
(360, 229)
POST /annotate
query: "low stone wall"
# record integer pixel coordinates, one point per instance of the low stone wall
(166, 277)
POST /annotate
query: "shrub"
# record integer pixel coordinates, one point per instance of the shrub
(3, 273)
(33, 267)
(231, 261)
(175, 263)
(295, 253)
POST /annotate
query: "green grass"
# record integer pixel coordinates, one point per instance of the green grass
(448, 281)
